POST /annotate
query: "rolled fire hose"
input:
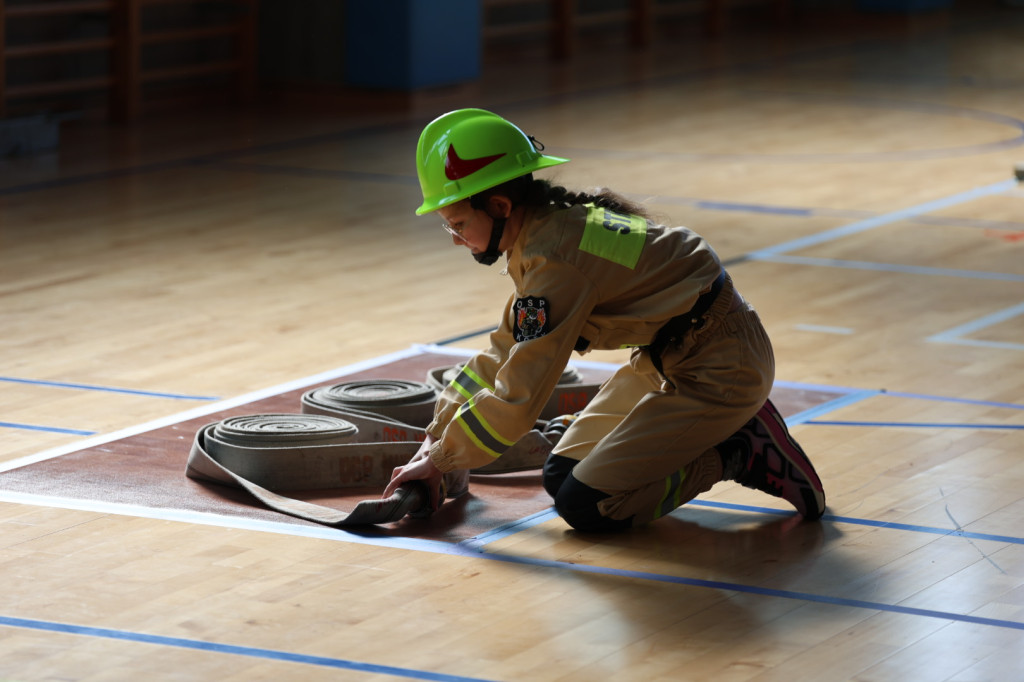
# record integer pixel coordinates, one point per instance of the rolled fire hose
(349, 435)
(368, 404)
(383, 410)
(571, 393)
(302, 452)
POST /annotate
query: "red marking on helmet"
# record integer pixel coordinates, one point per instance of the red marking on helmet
(456, 168)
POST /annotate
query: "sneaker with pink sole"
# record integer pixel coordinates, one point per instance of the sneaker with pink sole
(764, 456)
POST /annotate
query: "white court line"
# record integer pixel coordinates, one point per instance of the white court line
(207, 409)
(957, 335)
(270, 392)
(895, 267)
(413, 351)
(297, 529)
(226, 521)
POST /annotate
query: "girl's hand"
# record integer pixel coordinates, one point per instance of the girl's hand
(419, 468)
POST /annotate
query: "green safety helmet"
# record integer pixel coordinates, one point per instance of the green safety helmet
(467, 151)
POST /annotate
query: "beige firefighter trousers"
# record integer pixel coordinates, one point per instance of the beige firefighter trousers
(650, 444)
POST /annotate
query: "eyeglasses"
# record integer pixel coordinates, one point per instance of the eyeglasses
(454, 231)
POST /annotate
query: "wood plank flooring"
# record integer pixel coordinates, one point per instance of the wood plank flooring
(854, 171)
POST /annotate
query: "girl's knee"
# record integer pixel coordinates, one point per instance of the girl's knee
(577, 503)
(556, 470)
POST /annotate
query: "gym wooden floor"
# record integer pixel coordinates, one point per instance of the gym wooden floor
(858, 180)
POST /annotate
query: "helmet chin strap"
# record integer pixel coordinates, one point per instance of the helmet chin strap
(492, 253)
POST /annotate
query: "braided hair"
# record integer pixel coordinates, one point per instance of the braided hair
(528, 191)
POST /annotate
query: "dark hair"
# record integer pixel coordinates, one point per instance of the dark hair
(527, 191)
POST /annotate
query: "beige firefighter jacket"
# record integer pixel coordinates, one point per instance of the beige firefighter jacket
(583, 276)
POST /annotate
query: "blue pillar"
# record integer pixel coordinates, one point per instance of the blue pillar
(411, 44)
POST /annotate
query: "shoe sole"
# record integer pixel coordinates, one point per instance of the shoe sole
(810, 497)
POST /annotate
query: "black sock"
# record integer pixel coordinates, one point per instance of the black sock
(731, 451)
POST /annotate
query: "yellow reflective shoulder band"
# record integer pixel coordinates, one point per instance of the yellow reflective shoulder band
(614, 236)
(480, 432)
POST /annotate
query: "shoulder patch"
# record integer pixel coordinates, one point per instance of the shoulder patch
(614, 236)
(531, 318)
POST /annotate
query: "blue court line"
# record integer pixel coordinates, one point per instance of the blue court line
(885, 219)
(472, 547)
(210, 160)
(214, 647)
(476, 552)
(710, 205)
(548, 514)
(753, 589)
(915, 425)
(912, 528)
(818, 212)
(928, 108)
(55, 183)
(48, 429)
(106, 389)
(809, 416)
(468, 550)
(983, 322)
(830, 406)
(509, 529)
(887, 267)
(754, 208)
(300, 171)
(740, 207)
(957, 335)
(981, 223)
(463, 337)
(826, 388)
(344, 664)
(981, 343)
(960, 533)
(946, 399)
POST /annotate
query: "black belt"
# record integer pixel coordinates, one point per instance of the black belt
(673, 330)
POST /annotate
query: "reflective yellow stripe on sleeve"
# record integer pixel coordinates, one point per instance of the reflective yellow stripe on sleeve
(480, 432)
(468, 383)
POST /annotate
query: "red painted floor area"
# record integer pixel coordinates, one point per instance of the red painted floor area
(148, 469)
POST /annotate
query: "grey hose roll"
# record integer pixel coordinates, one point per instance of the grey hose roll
(569, 396)
(408, 402)
(394, 410)
(291, 452)
(569, 376)
(343, 438)
(384, 410)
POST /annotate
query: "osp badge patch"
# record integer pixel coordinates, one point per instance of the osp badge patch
(531, 318)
